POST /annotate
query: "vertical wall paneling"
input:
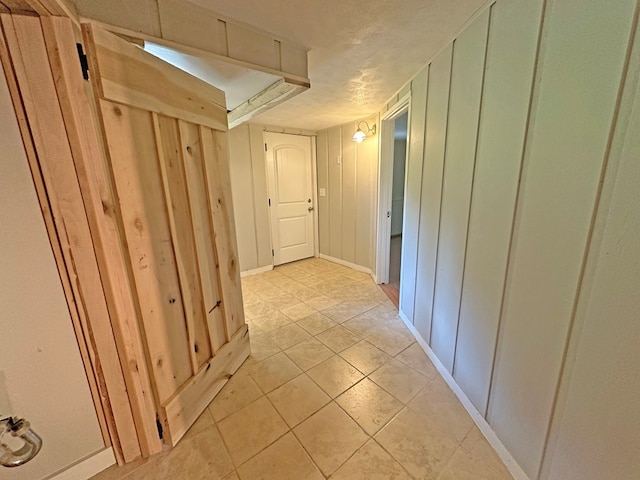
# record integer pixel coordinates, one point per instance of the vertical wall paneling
(467, 75)
(581, 66)
(335, 190)
(434, 151)
(511, 54)
(595, 423)
(261, 205)
(243, 195)
(323, 184)
(413, 172)
(349, 195)
(365, 158)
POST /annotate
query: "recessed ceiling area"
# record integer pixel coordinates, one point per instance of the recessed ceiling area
(238, 83)
(360, 53)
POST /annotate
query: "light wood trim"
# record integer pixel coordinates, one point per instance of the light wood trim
(126, 74)
(182, 410)
(98, 201)
(46, 7)
(203, 232)
(17, 6)
(216, 172)
(26, 45)
(101, 402)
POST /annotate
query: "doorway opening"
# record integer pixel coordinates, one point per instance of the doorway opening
(290, 165)
(393, 158)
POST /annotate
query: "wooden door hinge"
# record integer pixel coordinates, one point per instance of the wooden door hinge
(84, 63)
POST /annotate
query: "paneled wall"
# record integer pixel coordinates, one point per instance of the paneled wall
(347, 171)
(514, 271)
(249, 191)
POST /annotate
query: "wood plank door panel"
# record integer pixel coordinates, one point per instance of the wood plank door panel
(165, 138)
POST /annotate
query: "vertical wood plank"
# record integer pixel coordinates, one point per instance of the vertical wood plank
(511, 58)
(432, 174)
(334, 190)
(348, 195)
(467, 75)
(216, 170)
(366, 156)
(26, 42)
(88, 160)
(204, 237)
(411, 214)
(323, 183)
(178, 212)
(260, 196)
(130, 140)
(86, 349)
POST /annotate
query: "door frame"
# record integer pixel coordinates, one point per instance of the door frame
(314, 189)
(385, 182)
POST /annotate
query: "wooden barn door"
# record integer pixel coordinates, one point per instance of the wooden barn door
(166, 144)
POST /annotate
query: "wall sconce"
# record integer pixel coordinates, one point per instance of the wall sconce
(360, 135)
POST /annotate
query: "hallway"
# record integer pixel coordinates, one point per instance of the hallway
(336, 387)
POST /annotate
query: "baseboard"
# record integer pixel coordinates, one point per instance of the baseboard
(344, 263)
(491, 436)
(88, 467)
(256, 271)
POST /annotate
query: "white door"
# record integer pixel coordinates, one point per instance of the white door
(290, 181)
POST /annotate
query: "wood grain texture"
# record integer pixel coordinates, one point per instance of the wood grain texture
(131, 143)
(185, 407)
(128, 75)
(98, 394)
(37, 87)
(216, 170)
(178, 209)
(203, 232)
(84, 142)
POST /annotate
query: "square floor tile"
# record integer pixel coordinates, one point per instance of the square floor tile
(449, 416)
(419, 447)
(271, 321)
(335, 375)
(479, 448)
(342, 312)
(284, 460)
(338, 338)
(298, 399)
(415, 357)
(371, 462)
(391, 340)
(331, 437)
(239, 392)
(465, 466)
(363, 325)
(261, 347)
(399, 380)
(288, 336)
(365, 357)
(274, 371)
(309, 353)
(369, 405)
(251, 429)
(321, 302)
(298, 311)
(316, 323)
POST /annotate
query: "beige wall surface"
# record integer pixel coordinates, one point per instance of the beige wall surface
(41, 374)
(347, 171)
(509, 132)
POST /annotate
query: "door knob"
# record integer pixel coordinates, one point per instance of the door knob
(310, 209)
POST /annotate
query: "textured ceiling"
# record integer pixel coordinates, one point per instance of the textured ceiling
(360, 53)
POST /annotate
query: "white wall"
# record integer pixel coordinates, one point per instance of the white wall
(41, 373)
(397, 189)
(348, 172)
(509, 133)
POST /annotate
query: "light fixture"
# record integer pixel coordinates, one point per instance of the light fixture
(360, 134)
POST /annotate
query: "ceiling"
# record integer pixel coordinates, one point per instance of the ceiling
(360, 53)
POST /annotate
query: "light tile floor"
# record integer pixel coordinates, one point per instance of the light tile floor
(336, 387)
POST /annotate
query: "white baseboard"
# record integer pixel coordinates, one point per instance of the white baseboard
(88, 467)
(256, 271)
(491, 436)
(344, 263)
